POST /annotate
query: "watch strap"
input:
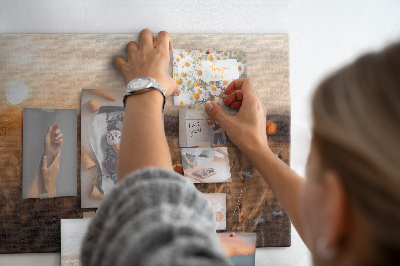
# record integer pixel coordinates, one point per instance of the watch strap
(153, 86)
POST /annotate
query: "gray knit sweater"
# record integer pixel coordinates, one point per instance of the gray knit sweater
(153, 217)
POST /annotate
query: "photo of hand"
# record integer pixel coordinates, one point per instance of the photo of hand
(53, 141)
(50, 174)
(44, 182)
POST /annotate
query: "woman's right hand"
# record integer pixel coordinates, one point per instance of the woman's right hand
(247, 128)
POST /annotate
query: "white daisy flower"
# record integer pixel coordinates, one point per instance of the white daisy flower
(240, 68)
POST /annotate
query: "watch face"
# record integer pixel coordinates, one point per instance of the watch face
(140, 83)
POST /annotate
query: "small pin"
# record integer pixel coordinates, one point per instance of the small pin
(232, 234)
(208, 51)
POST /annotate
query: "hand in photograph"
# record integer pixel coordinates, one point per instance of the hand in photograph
(53, 143)
(192, 164)
(50, 175)
(49, 167)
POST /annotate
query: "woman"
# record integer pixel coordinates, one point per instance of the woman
(349, 203)
(217, 129)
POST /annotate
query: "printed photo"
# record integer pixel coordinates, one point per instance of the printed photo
(239, 247)
(218, 201)
(198, 128)
(72, 234)
(49, 153)
(102, 114)
(203, 75)
(206, 165)
(104, 138)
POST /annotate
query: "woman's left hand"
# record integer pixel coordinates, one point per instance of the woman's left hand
(149, 59)
(50, 174)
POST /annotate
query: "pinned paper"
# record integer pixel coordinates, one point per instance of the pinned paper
(197, 128)
(240, 248)
(218, 201)
(204, 76)
(73, 232)
(206, 165)
(52, 133)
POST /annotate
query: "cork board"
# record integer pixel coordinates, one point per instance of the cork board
(52, 70)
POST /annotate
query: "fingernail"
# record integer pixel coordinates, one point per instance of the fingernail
(179, 90)
(45, 157)
(209, 106)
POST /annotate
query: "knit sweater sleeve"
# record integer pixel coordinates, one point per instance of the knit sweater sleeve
(153, 217)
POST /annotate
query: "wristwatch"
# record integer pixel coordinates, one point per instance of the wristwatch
(142, 85)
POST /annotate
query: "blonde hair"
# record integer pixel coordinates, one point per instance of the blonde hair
(356, 114)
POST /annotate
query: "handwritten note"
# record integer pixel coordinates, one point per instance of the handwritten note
(219, 70)
(194, 128)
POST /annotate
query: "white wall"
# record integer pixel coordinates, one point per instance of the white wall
(323, 36)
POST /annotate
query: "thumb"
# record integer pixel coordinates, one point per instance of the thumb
(44, 163)
(218, 113)
(48, 131)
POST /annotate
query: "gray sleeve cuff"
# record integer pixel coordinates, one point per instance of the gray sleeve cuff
(153, 217)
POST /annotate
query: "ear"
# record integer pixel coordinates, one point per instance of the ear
(336, 211)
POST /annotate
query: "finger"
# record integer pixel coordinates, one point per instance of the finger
(131, 48)
(177, 92)
(44, 163)
(245, 85)
(173, 88)
(229, 99)
(218, 113)
(48, 132)
(59, 142)
(164, 41)
(146, 40)
(235, 96)
(236, 105)
(59, 136)
(58, 131)
(56, 126)
(233, 86)
(119, 63)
